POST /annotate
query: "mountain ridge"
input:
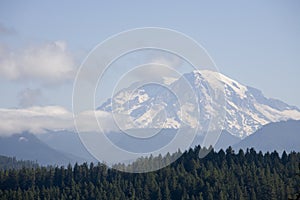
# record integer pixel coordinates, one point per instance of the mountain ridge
(27, 146)
(280, 136)
(246, 108)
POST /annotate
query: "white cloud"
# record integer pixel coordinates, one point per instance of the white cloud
(49, 63)
(160, 66)
(38, 120)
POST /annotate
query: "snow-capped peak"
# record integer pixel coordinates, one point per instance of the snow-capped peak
(153, 106)
(218, 80)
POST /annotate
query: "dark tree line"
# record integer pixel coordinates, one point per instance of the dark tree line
(13, 163)
(220, 175)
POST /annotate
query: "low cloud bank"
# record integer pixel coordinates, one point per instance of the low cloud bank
(38, 120)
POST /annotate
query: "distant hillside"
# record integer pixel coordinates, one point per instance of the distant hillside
(26, 146)
(277, 136)
(67, 142)
(225, 140)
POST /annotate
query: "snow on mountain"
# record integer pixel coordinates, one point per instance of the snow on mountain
(154, 106)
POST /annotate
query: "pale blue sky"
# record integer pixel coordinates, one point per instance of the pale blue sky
(256, 43)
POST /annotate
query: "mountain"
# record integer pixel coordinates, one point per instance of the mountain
(225, 140)
(245, 109)
(277, 136)
(27, 146)
(67, 142)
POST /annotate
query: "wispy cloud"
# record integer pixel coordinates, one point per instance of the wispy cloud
(34, 119)
(38, 120)
(49, 63)
(160, 66)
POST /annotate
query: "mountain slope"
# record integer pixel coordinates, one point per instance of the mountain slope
(26, 146)
(154, 106)
(277, 136)
(225, 140)
(66, 142)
